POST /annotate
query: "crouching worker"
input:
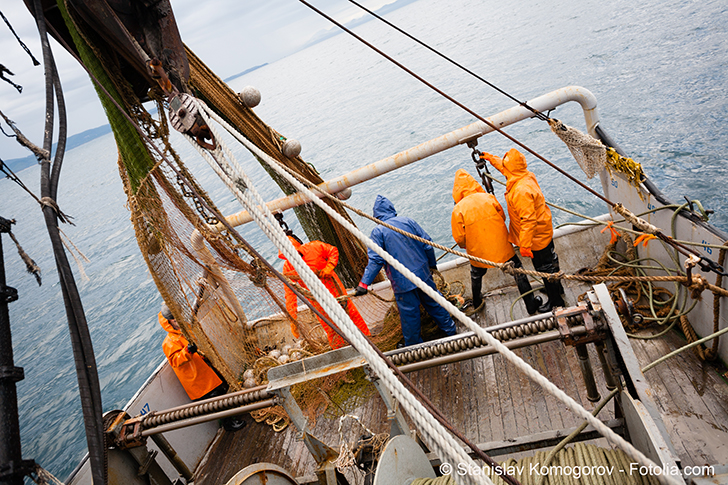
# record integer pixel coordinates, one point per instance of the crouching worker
(198, 378)
(479, 225)
(322, 258)
(416, 256)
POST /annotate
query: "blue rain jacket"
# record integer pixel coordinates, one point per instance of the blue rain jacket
(416, 256)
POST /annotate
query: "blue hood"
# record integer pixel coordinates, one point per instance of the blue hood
(383, 208)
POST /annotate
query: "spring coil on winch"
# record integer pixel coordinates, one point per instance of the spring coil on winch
(221, 404)
(469, 342)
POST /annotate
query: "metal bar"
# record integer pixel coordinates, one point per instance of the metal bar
(592, 393)
(172, 456)
(10, 455)
(209, 417)
(487, 350)
(510, 116)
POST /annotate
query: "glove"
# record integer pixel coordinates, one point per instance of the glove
(191, 348)
(360, 290)
(527, 253)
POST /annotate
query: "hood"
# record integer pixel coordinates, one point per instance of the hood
(465, 185)
(166, 325)
(295, 243)
(383, 208)
(514, 164)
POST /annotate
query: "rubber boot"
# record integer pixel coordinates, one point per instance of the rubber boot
(554, 291)
(532, 302)
(476, 285)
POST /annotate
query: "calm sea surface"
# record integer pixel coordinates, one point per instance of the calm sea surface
(658, 69)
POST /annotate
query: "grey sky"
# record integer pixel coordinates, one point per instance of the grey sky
(229, 35)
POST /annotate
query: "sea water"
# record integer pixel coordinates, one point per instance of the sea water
(657, 68)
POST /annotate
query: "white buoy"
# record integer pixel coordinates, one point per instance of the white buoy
(291, 148)
(249, 383)
(275, 353)
(248, 374)
(250, 96)
(283, 359)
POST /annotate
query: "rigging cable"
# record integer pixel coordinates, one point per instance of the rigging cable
(536, 112)
(706, 264)
(22, 44)
(86, 371)
(356, 338)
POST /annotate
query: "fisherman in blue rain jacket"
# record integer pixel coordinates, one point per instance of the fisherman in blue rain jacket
(418, 258)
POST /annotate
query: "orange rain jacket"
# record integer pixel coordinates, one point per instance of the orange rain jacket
(193, 373)
(322, 258)
(478, 222)
(530, 217)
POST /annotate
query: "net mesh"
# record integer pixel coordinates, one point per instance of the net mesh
(589, 153)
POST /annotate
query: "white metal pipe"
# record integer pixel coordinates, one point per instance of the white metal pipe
(510, 116)
(546, 102)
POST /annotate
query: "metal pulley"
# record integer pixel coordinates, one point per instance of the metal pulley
(184, 116)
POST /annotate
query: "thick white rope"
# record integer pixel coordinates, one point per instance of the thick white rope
(520, 364)
(440, 439)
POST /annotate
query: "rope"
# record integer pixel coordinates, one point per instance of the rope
(22, 44)
(442, 442)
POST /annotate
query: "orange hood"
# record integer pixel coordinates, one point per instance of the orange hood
(167, 326)
(514, 167)
(465, 185)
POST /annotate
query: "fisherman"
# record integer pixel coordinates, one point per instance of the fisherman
(530, 221)
(479, 225)
(419, 258)
(199, 380)
(322, 258)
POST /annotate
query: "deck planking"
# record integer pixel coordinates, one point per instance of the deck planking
(488, 399)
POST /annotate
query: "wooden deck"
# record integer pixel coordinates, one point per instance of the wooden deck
(489, 400)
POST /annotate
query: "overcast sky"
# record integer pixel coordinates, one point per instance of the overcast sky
(229, 35)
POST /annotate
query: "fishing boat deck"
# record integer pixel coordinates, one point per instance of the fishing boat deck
(490, 402)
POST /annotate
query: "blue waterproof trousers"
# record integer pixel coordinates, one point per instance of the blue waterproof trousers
(409, 303)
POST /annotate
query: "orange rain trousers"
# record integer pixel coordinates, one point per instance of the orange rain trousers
(322, 258)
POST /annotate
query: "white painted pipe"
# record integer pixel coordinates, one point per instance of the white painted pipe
(510, 116)
(513, 115)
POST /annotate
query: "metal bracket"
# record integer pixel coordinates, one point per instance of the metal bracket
(13, 374)
(593, 331)
(8, 294)
(130, 432)
(14, 469)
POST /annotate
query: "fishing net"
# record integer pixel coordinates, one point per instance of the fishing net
(588, 152)
(225, 300)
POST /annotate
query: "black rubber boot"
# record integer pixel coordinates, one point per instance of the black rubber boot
(554, 290)
(533, 303)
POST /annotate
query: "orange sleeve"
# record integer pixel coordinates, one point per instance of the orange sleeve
(497, 162)
(457, 226)
(331, 255)
(179, 357)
